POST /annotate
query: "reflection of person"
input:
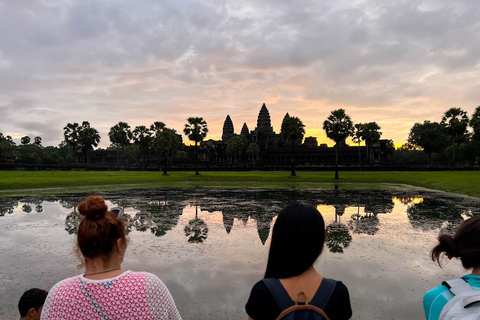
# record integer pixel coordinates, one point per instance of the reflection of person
(105, 291)
(298, 238)
(31, 303)
(465, 244)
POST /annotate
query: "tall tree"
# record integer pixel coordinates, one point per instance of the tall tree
(120, 136)
(358, 137)
(430, 136)
(71, 133)
(338, 127)
(37, 141)
(196, 130)
(166, 144)
(456, 122)
(156, 128)
(370, 134)
(25, 140)
(475, 124)
(7, 147)
(88, 138)
(292, 130)
(142, 136)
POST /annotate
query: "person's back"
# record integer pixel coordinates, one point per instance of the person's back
(465, 245)
(105, 291)
(297, 240)
(130, 295)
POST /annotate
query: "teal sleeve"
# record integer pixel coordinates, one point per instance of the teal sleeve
(434, 301)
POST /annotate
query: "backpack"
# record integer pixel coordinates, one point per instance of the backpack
(464, 305)
(293, 310)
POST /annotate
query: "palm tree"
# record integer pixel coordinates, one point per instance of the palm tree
(455, 121)
(338, 127)
(370, 134)
(71, 133)
(142, 136)
(293, 130)
(88, 138)
(120, 136)
(196, 130)
(357, 138)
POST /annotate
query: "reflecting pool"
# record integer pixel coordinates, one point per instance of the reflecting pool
(210, 246)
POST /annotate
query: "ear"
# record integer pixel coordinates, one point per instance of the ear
(121, 246)
(31, 313)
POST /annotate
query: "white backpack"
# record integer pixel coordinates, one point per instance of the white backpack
(465, 303)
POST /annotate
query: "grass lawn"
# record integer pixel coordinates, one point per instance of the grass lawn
(16, 183)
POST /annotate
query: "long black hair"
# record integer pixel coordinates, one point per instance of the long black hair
(297, 240)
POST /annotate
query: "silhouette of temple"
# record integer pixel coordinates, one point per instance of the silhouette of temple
(274, 150)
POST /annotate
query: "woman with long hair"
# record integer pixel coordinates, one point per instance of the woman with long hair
(298, 238)
(105, 291)
(464, 245)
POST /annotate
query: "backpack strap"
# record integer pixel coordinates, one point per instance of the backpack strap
(323, 293)
(284, 301)
(461, 286)
(279, 293)
(457, 286)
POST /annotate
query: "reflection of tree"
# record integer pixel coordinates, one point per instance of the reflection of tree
(433, 213)
(7, 205)
(367, 224)
(196, 230)
(159, 216)
(26, 208)
(39, 208)
(379, 204)
(72, 221)
(337, 237)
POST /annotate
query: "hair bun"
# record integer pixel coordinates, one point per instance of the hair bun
(448, 245)
(93, 207)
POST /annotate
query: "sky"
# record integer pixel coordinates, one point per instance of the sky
(393, 62)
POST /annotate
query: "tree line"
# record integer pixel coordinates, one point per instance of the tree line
(450, 135)
(160, 143)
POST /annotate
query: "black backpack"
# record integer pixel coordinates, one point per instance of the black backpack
(293, 310)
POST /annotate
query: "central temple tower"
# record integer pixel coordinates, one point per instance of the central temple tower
(264, 124)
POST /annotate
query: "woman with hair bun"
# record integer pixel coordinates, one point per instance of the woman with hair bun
(105, 291)
(464, 245)
(298, 238)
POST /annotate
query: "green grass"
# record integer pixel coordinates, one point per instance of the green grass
(15, 183)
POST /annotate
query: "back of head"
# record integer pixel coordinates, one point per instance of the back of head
(99, 229)
(297, 240)
(33, 298)
(465, 244)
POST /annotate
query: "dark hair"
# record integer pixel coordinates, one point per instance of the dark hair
(99, 229)
(33, 298)
(465, 244)
(297, 241)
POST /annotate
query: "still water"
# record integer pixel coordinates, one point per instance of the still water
(210, 246)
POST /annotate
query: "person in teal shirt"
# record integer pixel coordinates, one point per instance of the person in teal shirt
(465, 245)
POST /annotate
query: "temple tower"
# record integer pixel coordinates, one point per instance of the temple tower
(264, 124)
(228, 130)
(244, 131)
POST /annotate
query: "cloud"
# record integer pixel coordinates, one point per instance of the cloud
(109, 61)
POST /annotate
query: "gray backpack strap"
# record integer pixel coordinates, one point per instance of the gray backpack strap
(323, 293)
(457, 286)
(279, 293)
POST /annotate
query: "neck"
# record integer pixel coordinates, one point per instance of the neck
(98, 269)
(476, 271)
